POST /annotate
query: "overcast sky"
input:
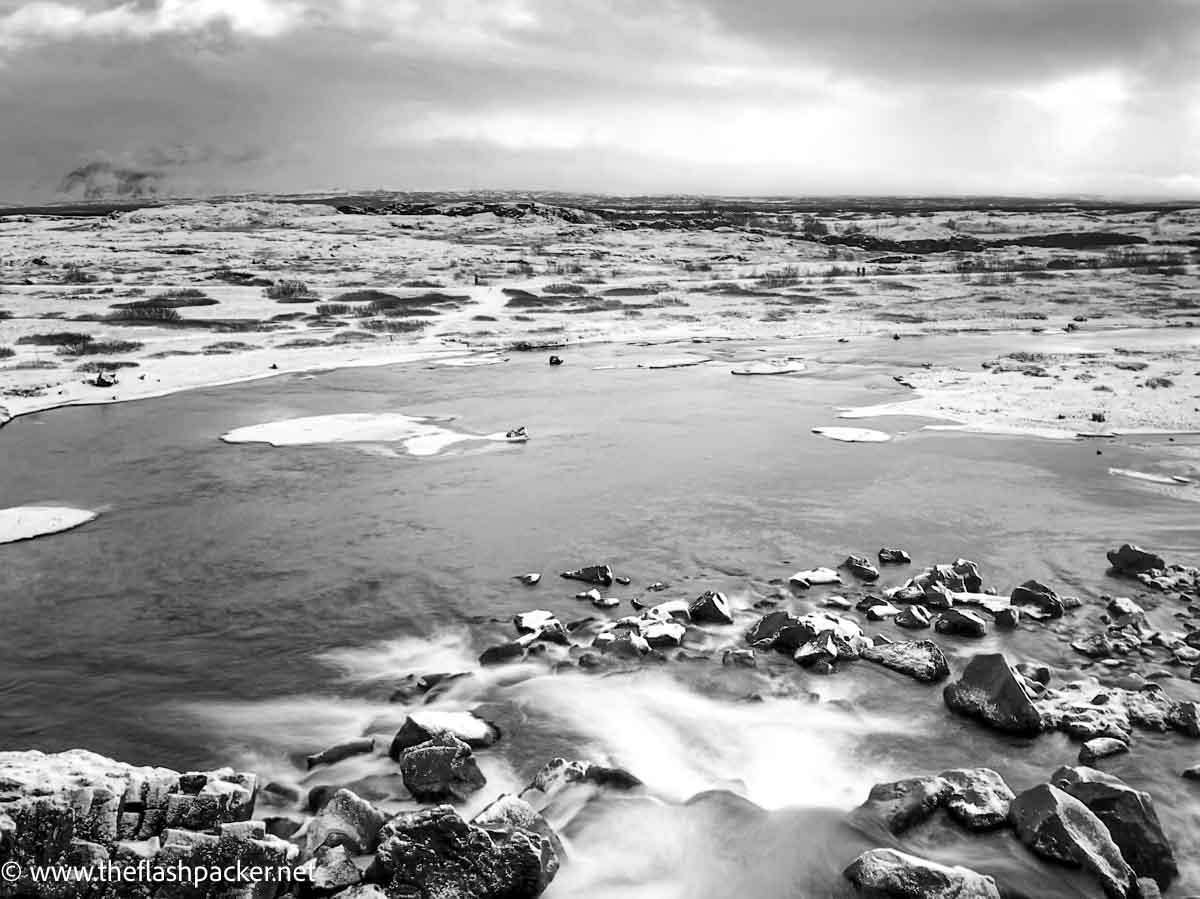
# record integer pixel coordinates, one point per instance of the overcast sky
(616, 96)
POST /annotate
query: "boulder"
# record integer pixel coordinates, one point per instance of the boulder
(969, 572)
(812, 577)
(711, 608)
(990, 691)
(1129, 816)
(914, 617)
(898, 875)
(502, 653)
(1130, 559)
(894, 557)
(1007, 619)
(510, 815)
(530, 579)
(979, 798)
(920, 659)
(905, 803)
(1124, 612)
(345, 820)
(433, 853)
(881, 611)
(331, 869)
(540, 625)
(441, 768)
(421, 727)
(1059, 827)
(960, 623)
(1038, 595)
(628, 645)
(1101, 748)
(861, 568)
(591, 574)
(662, 634)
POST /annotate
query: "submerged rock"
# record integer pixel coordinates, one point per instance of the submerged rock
(434, 853)
(422, 727)
(897, 875)
(1129, 816)
(920, 659)
(861, 567)
(345, 820)
(529, 579)
(340, 752)
(1059, 827)
(592, 574)
(894, 557)
(914, 617)
(502, 653)
(1036, 594)
(961, 623)
(1101, 748)
(990, 691)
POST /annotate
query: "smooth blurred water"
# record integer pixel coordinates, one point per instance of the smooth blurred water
(245, 604)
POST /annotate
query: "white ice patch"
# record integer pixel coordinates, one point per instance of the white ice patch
(853, 435)
(27, 522)
(419, 436)
(769, 368)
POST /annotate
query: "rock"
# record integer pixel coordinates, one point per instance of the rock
(593, 595)
(592, 574)
(894, 557)
(812, 577)
(861, 568)
(969, 572)
(529, 579)
(920, 659)
(1129, 816)
(510, 815)
(441, 768)
(1101, 748)
(915, 617)
(711, 608)
(1130, 559)
(990, 691)
(341, 751)
(533, 622)
(961, 623)
(556, 360)
(331, 869)
(434, 853)
(897, 875)
(606, 602)
(774, 630)
(979, 798)
(345, 820)
(910, 592)
(837, 602)
(905, 803)
(627, 646)
(1007, 619)
(1038, 595)
(882, 611)
(663, 634)
(1059, 827)
(1192, 773)
(742, 658)
(1124, 612)
(502, 653)
(421, 727)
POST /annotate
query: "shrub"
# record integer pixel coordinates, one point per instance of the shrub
(568, 289)
(7, 352)
(136, 312)
(301, 343)
(56, 338)
(286, 291)
(363, 296)
(76, 275)
(171, 299)
(224, 347)
(100, 365)
(395, 325)
(4, 313)
(92, 347)
(334, 309)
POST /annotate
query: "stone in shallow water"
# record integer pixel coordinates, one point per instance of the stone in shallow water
(921, 659)
(915, 617)
(1130, 559)
(1101, 748)
(961, 623)
(1044, 600)
(979, 798)
(592, 574)
(898, 875)
(345, 820)
(711, 608)
(441, 768)
(903, 804)
(990, 691)
(894, 557)
(1059, 827)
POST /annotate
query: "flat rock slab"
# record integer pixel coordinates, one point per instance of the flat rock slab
(27, 522)
(853, 435)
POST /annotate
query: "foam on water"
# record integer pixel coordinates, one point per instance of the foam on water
(420, 436)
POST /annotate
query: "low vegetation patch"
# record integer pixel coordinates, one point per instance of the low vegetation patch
(171, 299)
(99, 365)
(7, 352)
(76, 275)
(565, 289)
(395, 325)
(55, 338)
(92, 347)
(287, 291)
(334, 309)
(139, 313)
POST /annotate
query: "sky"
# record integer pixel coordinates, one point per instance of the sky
(720, 97)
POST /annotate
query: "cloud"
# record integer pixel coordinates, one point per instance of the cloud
(100, 179)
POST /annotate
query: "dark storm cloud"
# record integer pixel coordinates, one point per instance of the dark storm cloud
(100, 179)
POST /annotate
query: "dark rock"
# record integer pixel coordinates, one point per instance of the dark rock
(961, 623)
(341, 751)
(277, 826)
(979, 798)
(861, 567)
(969, 572)
(1124, 612)
(345, 820)
(556, 360)
(592, 574)
(915, 617)
(502, 653)
(508, 816)
(905, 803)
(1038, 595)
(990, 691)
(920, 659)
(743, 658)
(442, 768)
(1007, 619)
(1130, 559)
(711, 608)
(424, 726)
(894, 557)
(435, 854)
(331, 870)
(897, 875)
(1129, 816)
(1059, 827)
(627, 645)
